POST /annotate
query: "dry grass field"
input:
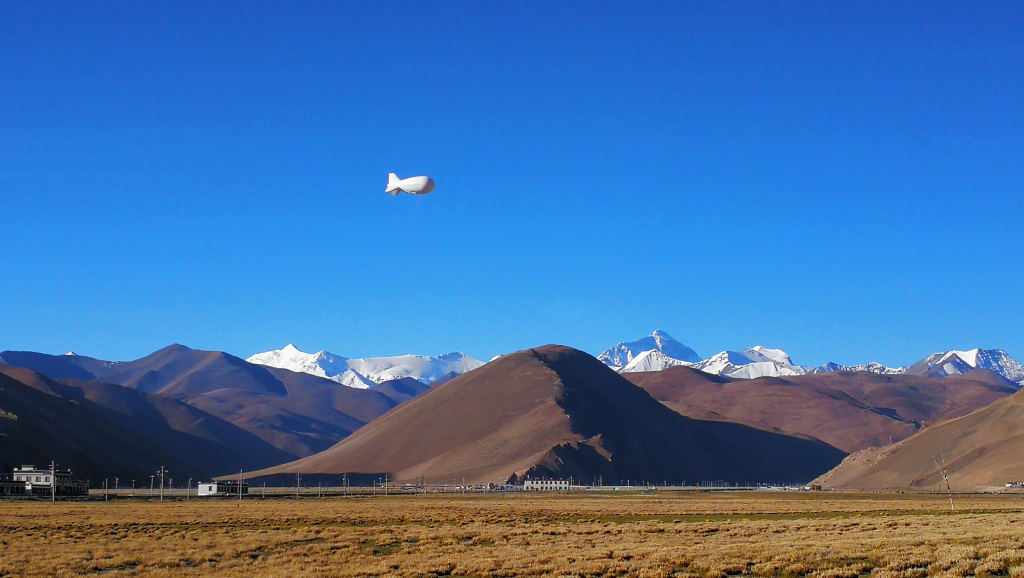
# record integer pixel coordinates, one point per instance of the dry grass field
(686, 535)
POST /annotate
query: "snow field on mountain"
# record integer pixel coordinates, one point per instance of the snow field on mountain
(366, 373)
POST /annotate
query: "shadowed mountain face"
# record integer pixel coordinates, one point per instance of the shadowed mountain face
(981, 450)
(296, 413)
(558, 412)
(314, 414)
(52, 366)
(209, 444)
(37, 426)
(849, 410)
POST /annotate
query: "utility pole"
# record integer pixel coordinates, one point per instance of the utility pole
(386, 484)
(117, 481)
(188, 490)
(298, 480)
(53, 482)
(151, 486)
(105, 489)
(239, 486)
(133, 488)
(163, 472)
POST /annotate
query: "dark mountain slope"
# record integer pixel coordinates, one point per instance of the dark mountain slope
(37, 427)
(52, 366)
(208, 443)
(312, 415)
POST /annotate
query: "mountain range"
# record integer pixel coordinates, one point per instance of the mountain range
(660, 351)
(297, 413)
(101, 429)
(550, 411)
(554, 411)
(364, 373)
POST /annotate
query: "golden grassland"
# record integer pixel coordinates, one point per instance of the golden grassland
(686, 535)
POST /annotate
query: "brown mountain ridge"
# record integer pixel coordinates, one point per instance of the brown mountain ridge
(848, 410)
(980, 451)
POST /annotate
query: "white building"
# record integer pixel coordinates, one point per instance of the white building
(229, 488)
(36, 476)
(547, 485)
(42, 482)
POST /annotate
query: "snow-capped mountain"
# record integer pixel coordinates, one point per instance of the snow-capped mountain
(872, 366)
(746, 364)
(653, 360)
(322, 364)
(762, 354)
(955, 362)
(655, 353)
(364, 373)
(750, 363)
(621, 355)
(419, 367)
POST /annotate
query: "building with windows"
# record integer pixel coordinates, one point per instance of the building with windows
(34, 475)
(228, 488)
(547, 485)
(40, 482)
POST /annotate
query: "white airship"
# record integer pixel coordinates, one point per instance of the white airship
(411, 185)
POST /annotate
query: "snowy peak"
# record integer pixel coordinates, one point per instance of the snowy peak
(659, 351)
(968, 357)
(872, 366)
(353, 379)
(321, 364)
(751, 363)
(776, 355)
(652, 360)
(419, 367)
(364, 373)
(621, 355)
(954, 362)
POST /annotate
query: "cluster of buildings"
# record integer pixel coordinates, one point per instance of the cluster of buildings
(28, 480)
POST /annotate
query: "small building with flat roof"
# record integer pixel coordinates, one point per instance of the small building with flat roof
(226, 488)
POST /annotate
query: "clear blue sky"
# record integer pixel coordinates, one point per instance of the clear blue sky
(842, 180)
